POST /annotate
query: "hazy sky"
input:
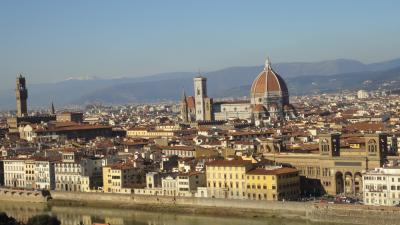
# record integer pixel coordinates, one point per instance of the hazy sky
(54, 40)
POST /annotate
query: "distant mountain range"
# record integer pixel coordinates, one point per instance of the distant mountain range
(301, 77)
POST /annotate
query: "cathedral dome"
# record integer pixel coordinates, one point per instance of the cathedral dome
(259, 108)
(268, 81)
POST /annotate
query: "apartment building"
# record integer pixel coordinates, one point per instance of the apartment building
(227, 178)
(381, 186)
(273, 183)
(77, 173)
(122, 177)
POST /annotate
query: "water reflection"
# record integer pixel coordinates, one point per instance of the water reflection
(87, 216)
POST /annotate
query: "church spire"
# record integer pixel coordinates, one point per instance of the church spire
(52, 109)
(183, 95)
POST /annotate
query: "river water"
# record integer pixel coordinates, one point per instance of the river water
(87, 216)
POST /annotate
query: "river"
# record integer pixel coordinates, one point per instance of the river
(87, 216)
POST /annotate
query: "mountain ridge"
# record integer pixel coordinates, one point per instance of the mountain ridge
(168, 86)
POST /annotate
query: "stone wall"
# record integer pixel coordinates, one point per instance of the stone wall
(295, 207)
(355, 214)
(22, 196)
(337, 213)
(197, 204)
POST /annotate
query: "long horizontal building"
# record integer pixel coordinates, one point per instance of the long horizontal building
(32, 173)
(240, 179)
(70, 130)
(334, 169)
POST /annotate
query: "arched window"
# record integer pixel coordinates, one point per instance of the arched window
(325, 145)
(372, 146)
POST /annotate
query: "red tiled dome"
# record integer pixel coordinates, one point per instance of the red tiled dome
(268, 81)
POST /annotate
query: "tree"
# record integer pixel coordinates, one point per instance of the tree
(43, 220)
(5, 220)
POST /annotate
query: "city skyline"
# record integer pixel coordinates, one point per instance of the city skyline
(54, 41)
(195, 112)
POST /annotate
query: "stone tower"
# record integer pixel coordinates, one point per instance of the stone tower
(376, 147)
(184, 108)
(22, 96)
(200, 93)
(329, 145)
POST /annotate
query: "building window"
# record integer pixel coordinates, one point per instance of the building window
(372, 146)
(325, 145)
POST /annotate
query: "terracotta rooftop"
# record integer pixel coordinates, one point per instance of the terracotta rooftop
(120, 165)
(231, 163)
(278, 171)
(70, 126)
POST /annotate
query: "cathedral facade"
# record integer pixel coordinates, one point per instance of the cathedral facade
(269, 100)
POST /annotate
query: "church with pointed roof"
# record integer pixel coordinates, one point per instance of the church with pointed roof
(269, 101)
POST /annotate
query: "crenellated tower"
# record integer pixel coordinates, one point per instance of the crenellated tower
(22, 96)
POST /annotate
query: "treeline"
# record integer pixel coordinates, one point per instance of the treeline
(36, 220)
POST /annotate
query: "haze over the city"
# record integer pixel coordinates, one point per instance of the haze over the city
(50, 41)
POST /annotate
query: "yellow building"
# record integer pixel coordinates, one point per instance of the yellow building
(275, 183)
(30, 174)
(226, 178)
(121, 177)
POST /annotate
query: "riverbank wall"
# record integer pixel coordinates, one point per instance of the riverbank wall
(188, 204)
(321, 212)
(355, 214)
(22, 196)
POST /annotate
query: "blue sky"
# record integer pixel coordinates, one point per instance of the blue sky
(53, 40)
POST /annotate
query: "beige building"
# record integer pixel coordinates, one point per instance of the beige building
(30, 174)
(76, 117)
(143, 132)
(121, 177)
(336, 168)
(188, 183)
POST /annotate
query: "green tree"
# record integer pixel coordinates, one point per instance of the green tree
(43, 220)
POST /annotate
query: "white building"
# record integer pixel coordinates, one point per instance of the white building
(76, 173)
(381, 186)
(44, 175)
(14, 173)
(169, 185)
(187, 183)
(29, 173)
(362, 94)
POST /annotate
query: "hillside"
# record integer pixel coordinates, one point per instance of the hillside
(302, 78)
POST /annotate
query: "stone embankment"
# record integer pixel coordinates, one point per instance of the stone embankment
(322, 212)
(185, 204)
(355, 214)
(22, 196)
